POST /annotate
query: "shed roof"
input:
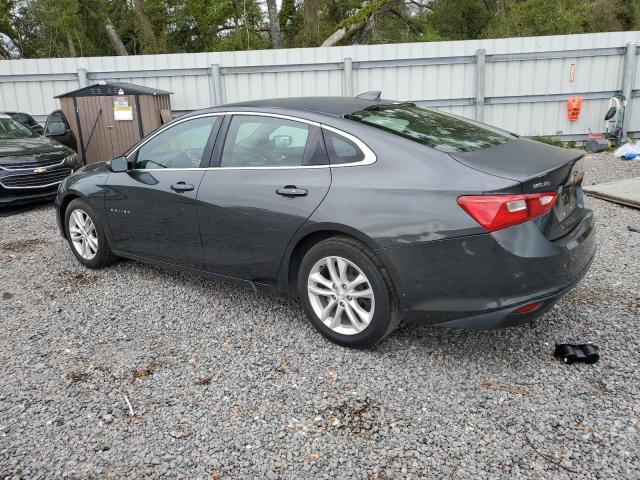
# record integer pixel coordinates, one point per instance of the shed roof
(107, 89)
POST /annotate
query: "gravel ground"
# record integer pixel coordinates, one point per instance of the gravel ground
(224, 383)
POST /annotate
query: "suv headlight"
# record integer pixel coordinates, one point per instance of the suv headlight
(71, 159)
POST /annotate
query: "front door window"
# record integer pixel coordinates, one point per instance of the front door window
(180, 146)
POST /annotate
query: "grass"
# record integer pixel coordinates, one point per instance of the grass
(555, 142)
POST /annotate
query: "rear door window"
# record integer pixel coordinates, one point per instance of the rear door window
(261, 141)
(438, 130)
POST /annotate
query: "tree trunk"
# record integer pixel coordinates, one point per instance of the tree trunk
(274, 23)
(72, 47)
(114, 38)
(146, 29)
(334, 38)
(366, 19)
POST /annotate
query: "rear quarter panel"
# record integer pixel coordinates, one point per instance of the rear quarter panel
(408, 195)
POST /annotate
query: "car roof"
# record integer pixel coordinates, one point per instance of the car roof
(335, 106)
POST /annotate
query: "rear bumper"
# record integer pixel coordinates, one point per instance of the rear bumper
(478, 281)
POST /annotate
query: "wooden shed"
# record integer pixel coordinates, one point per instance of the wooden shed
(109, 117)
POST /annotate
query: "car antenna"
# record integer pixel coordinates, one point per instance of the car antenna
(372, 95)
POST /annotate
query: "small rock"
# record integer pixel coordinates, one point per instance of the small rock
(107, 418)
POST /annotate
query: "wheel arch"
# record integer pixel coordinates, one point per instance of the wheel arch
(69, 197)
(62, 209)
(307, 238)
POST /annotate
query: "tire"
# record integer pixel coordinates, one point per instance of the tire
(348, 329)
(97, 257)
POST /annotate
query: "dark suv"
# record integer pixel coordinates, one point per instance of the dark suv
(31, 165)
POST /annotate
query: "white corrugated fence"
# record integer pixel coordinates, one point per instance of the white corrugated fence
(520, 84)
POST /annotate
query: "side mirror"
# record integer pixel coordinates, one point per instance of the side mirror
(55, 128)
(282, 141)
(118, 164)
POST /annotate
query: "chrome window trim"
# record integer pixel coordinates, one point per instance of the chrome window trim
(369, 156)
(62, 162)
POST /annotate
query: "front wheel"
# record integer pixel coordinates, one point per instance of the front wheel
(347, 293)
(86, 236)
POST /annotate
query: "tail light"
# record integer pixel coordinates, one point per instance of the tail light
(528, 308)
(495, 212)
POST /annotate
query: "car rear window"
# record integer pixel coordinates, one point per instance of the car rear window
(437, 130)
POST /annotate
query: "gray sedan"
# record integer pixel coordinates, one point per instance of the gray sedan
(367, 211)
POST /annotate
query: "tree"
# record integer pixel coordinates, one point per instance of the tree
(274, 23)
(62, 28)
(114, 38)
(459, 19)
(9, 40)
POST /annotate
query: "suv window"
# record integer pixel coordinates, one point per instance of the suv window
(257, 141)
(438, 130)
(56, 124)
(180, 146)
(341, 149)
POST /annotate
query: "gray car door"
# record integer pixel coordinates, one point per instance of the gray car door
(151, 208)
(272, 172)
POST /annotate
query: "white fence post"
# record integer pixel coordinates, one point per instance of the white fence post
(628, 79)
(82, 77)
(348, 77)
(479, 84)
(216, 85)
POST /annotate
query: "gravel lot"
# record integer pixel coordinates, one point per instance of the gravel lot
(224, 383)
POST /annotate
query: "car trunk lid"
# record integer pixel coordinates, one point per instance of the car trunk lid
(538, 167)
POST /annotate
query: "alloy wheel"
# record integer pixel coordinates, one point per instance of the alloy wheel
(341, 295)
(83, 234)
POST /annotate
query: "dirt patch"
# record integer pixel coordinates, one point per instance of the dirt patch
(204, 381)
(21, 246)
(77, 377)
(7, 295)
(73, 279)
(512, 389)
(143, 373)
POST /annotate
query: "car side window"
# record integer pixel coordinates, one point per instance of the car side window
(179, 146)
(57, 124)
(257, 141)
(341, 149)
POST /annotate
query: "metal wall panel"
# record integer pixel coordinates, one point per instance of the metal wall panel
(441, 73)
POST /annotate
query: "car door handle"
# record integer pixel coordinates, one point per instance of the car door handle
(292, 191)
(181, 187)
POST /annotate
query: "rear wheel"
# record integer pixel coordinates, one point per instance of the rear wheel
(86, 236)
(347, 293)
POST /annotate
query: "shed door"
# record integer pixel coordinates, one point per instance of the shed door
(123, 133)
(94, 139)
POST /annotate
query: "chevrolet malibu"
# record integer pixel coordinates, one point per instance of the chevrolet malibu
(368, 211)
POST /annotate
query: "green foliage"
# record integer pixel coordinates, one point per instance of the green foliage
(287, 20)
(459, 19)
(559, 17)
(61, 28)
(555, 142)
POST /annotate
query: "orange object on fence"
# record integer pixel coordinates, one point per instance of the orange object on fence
(574, 106)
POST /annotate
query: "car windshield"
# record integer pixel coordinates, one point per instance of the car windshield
(10, 129)
(438, 130)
